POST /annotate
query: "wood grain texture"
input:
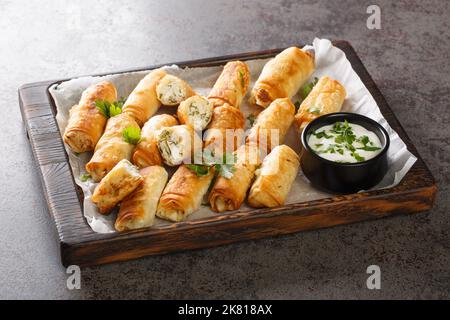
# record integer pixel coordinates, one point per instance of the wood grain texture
(80, 245)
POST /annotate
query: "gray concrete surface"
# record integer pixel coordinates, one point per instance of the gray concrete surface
(408, 58)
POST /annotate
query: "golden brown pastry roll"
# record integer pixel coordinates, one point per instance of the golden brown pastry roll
(112, 147)
(138, 209)
(225, 132)
(86, 122)
(146, 152)
(228, 194)
(195, 111)
(142, 103)
(275, 177)
(282, 76)
(232, 84)
(327, 96)
(183, 194)
(171, 90)
(272, 124)
(178, 144)
(122, 180)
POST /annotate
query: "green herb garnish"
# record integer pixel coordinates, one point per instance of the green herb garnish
(251, 119)
(199, 169)
(358, 157)
(131, 134)
(306, 89)
(109, 109)
(314, 110)
(85, 177)
(241, 75)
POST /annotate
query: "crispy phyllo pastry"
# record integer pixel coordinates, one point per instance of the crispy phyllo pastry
(147, 152)
(272, 124)
(229, 193)
(86, 121)
(225, 132)
(122, 180)
(171, 90)
(327, 96)
(232, 84)
(195, 111)
(142, 103)
(282, 76)
(183, 194)
(177, 144)
(138, 209)
(112, 147)
(275, 177)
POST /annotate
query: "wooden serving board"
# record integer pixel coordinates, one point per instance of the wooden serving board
(81, 246)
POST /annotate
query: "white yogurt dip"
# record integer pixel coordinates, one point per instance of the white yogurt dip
(345, 142)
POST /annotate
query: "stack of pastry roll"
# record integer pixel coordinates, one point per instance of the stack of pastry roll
(184, 192)
(111, 148)
(138, 209)
(147, 152)
(232, 84)
(282, 76)
(121, 181)
(142, 103)
(171, 90)
(272, 124)
(327, 96)
(86, 122)
(228, 194)
(274, 178)
(225, 132)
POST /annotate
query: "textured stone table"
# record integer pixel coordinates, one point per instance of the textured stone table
(408, 58)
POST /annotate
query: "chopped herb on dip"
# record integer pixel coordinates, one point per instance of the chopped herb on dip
(345, 142)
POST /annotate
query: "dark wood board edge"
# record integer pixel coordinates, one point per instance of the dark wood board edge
(76, 236)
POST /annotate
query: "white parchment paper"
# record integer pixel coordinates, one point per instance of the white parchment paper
(329, 61)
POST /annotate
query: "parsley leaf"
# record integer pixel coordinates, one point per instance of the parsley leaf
(358, 157)
(251, 119)
(85, 177)
(241, 75)
(131, 134)
(199, 169)
(314, 110)
(109, 109)
(306, 89)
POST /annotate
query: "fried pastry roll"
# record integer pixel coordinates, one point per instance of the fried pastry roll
(225, 132)
(275, 177)
(327, 96)
(86, 122)
(142, 103)
(183, 194)
(272, 124)
(228, 194)
(177, 144)
(138, 209)
(171, 90)
(111, 148)
(195, 111)
(232, 84)
(146, 152)
(122, 180)
(282, 76)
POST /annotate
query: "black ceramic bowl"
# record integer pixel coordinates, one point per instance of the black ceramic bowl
(344, 177)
